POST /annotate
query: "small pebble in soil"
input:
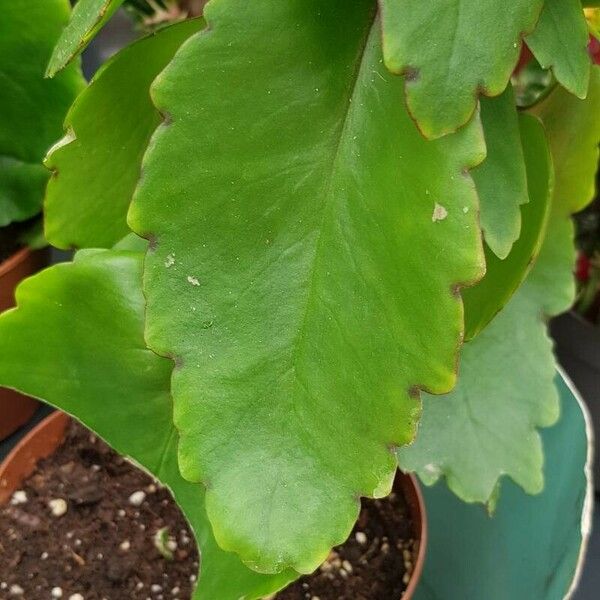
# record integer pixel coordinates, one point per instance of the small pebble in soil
(19, 497)
(56, 592)
(76, 597)
(361, 538)
(58, 507)
(16, 590)
(125, 545)
(137, 498)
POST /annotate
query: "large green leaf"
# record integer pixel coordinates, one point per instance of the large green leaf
(93, 364)
(533, 547)
(485, 427)
(501, 180)
(97, 165)
(89, 16)
(451, 51)
(306, 248)
(560, 41)
(31, 108)
(503, 277)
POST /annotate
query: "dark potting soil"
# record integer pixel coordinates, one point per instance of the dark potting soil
(104, 546)
(375, 562)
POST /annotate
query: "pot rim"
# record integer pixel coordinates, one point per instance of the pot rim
(14, 260)
(39, 443)
(414, 497)
(43, 440)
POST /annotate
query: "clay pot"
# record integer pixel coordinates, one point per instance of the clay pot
(16, 409)
(39, 443)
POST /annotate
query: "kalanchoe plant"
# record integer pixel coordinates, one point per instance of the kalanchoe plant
(318, 183)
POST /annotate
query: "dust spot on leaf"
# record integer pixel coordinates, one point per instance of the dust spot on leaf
(193, 280)
(439, 213)
(170, 260)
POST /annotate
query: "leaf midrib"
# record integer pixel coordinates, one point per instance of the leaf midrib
(349, 107)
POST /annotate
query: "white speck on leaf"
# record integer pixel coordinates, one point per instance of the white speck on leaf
(170, 260)
(465, 209)
(432, 469)
(439, 213)
(193, 280)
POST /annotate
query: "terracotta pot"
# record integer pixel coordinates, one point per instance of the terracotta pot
(409, 487)
(16, 409)
(39, 443)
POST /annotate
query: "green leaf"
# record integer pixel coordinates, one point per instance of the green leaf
(515, 348)
(451, 51)
(573, 128)
(88, 17)
(302, 230)
(21, 189)
(97, 165)
(534, 546)
(503, 277)
(94, 365)
(501, 180)
(482, 429)
(31, 108)
(560, 40)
